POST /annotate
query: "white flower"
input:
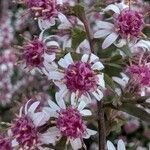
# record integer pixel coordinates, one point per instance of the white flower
(81, 77)
(120, 145)
(69, 122)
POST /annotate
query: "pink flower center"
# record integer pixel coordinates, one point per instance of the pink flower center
(5, 144)
(25, 132)
(129, 23)
(43, 8)
(70, 123)
(80, 77)
(33, 53)
(141, 74)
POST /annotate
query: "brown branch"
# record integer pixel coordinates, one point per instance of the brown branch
(101, 126)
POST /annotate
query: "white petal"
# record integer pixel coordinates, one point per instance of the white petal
(49, 112)
(110, 146)
(55, 75)
(53, 105)
(60, 100)
(51, 136)
(20, 112)
(14, 143)
(89, 133)
(113, 8)
(93, 58)
(121, 145)
(101, 81)
(45, 24)
(39, 118)
(49, 58)
(86, 112)
(101, 33)
(110, 39)
(73, 99)
(68, 58)
(76, 143)
(65, 24)
(33, 107)
(98, 95)
(26, 107)
(82, 105)
(97, 66)
(84, 47)
(105, 25)
(85, 58)
(86, 98)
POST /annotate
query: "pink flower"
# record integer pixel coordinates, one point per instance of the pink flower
(127, 26)
(5, 143)
(69, 120)
(70, 123)
(140, 74)
(43, 8)
(33, 53)
(82, 77)
(25, 128)
(129, 23)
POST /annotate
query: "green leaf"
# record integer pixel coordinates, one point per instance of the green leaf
(136, 111)
(109, 81)
(78, 36)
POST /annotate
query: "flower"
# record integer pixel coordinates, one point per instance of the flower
(40, 53)
(128, 25)
(33, 53)
(25, 127)
(140, 74)
(69, 121)
(43, 8)
(120, 145)
(5, 143)
(82, 77)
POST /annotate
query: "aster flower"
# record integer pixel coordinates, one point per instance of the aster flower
(40, 53)
(82, 77)
(25, 127)
(128, 25)
(5, 143)
(69, 121)
(120, 145)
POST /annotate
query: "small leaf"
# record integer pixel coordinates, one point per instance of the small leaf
(109, 81)
(136, 111)
(78, 36)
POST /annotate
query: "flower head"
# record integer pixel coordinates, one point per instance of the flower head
(70, 123)
(140, 74)
(25, 132)
(5, 143)
(33, 53)
(129, 23)
(43, 8)
(82, 77)
(70, 120)
(25, 128)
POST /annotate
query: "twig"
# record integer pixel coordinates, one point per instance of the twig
(101, 126)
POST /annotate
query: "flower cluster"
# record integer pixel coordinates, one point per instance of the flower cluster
(82, 79)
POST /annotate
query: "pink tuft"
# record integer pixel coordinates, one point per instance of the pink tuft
(70, 123)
